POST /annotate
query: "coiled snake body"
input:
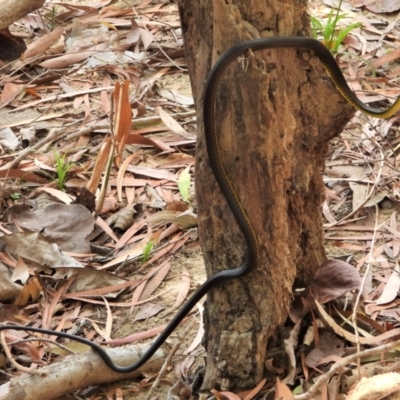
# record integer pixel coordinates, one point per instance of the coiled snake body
(219, 171)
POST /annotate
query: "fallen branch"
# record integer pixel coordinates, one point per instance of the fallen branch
(77, 372)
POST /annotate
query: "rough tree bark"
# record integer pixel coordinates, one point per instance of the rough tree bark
(276, 113)
(11, 10)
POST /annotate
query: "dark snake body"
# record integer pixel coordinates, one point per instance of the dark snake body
(219, 171)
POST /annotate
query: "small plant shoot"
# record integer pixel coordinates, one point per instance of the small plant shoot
(332, 34)
(184, 184)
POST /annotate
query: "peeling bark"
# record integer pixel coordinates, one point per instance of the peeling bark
(276, 113)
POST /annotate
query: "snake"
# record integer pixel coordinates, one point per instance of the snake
(218, 169)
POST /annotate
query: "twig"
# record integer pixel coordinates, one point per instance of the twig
(366, 274)
(61, 346)
(162, 372)
(165, 365)
(322, 380)
(63, 96)
(11, 358)
(142, 121)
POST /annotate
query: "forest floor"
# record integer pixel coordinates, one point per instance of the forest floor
(58, 99)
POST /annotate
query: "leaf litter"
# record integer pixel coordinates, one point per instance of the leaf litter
(67, 270)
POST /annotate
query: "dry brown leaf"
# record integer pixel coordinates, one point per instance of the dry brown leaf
(153, 173)
(155, 281)
(24, 175)
(172, 124)
(73, 58)
(253, 392)
(122, 117)
(137, 293)
(383, 6)
(40, 45)
(138, 336)
(103, 225)
(334, 278)
(148, 311)
(225, 395)
(31, 291)
(352, 338)
(184, 288)
(10, 91)
(282, 391)
(100, 165)
(392, 287)
(121, 173)
(139, 139)
(327, 346)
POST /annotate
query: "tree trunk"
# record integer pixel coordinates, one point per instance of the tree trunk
(11, 10)
(276, 113)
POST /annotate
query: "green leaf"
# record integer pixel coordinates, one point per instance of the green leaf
(184, 184)
(147, 250)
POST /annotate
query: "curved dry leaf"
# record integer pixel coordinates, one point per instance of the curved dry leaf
(177, 97)
(375, 199)
(282, 391)
(352, 338)
(254, 391)
(392, 287)
(383, 6)
(103, 155)
(137, 293)
(148, 311)
(162, 217)
(200, 332)
(155, 281)
(184, 288)
(40, 45)
(172, 124)
(31, 291)
(147, 37)
(334, 278)
(360, 189)
(103, 225)
(184, 220)
(223, 395)
(327, 346)
(133, 138)
(155, 199)
(121, 173)
(58, 194)
(20, 272)
(153, 173)
(122, 117)
(72, 58)
(125, 218)
(138, 336)
(24, 175)
(9, 94)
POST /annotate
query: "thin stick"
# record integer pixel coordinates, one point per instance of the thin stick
(165, 365)
(11, 358)
(322, 380)
(33, 339)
